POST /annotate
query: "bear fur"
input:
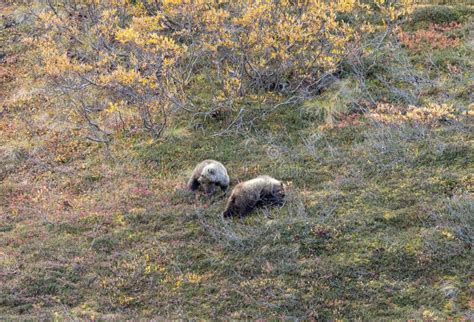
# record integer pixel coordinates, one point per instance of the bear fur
(207, 175)
(247, 195)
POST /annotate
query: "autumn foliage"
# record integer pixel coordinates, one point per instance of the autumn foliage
(371, 132)
(434, 37)
(139, 60)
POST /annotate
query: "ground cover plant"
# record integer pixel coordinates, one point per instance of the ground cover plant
(107, 106)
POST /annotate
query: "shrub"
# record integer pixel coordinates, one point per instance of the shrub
(138, 61)
(434, 37)
(431, 114)
(441, 14)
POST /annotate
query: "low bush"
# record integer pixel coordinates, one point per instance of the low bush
(144, 60)
(441, 14)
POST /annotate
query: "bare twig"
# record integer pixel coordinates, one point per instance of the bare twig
(238, 117)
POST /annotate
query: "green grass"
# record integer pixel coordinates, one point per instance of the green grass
(365, 233)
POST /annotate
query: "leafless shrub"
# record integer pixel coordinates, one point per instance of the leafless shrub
(386, 146)
(392, 70)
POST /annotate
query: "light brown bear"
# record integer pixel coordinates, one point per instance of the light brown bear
(207, 175)
(262, 190)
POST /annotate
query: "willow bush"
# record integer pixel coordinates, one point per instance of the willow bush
(127, 62)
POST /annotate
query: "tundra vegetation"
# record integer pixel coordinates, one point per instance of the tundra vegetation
(363, 108)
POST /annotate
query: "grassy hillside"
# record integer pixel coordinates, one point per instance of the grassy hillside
(378, 222)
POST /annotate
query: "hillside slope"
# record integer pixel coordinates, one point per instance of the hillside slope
(378, 221)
